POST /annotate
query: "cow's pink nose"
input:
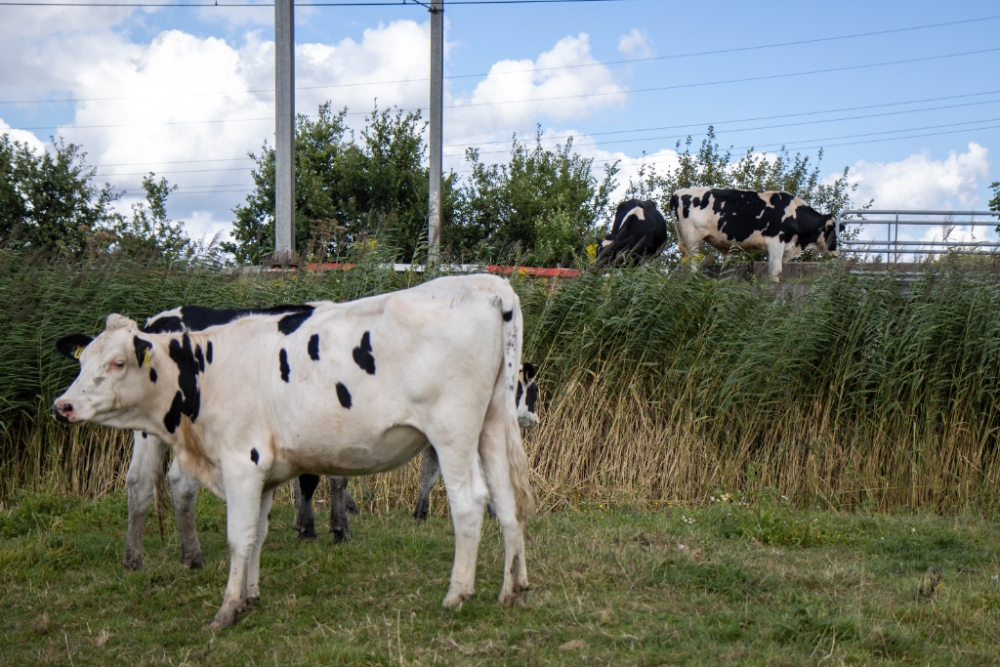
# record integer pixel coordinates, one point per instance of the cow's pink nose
(62, 411)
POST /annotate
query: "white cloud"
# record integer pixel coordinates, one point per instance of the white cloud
(22, 136)
(919, 182)
(635, 44)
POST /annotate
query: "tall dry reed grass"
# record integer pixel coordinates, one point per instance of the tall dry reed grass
(869, 389)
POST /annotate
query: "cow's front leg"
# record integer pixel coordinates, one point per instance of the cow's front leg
(144, 472)
(305, 520)
(253, 572)
(184, 490)
(338, 510)
(775, 253)
(430, 472)
(243, 501)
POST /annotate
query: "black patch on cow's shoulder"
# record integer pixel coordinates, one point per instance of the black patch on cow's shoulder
(254, 456)
(508, 315)
(208, 352)
(200, 357)
(69, 345)
(187, 379)
(344, 395)
(152, 375)
(199, 318)
(314, 347)
(363, 354)
(141, 347)
(283, 365)
(172, 419)
(293, 321)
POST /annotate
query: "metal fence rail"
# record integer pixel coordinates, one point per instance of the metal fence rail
(892, 248)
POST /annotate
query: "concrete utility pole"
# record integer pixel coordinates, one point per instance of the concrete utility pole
(284, 135)
(437, 103)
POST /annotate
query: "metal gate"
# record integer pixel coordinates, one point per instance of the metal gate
(891, 248)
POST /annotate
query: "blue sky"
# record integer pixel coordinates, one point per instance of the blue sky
(921, 133)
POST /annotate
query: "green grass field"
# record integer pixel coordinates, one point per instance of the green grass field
(725, 583)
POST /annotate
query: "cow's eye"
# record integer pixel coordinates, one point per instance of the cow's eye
(118, 363)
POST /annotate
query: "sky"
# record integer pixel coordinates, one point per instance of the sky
(906, 95)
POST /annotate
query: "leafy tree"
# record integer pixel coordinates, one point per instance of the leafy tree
(344, 191)
(47, 200)
(544, 204)
(149, 234)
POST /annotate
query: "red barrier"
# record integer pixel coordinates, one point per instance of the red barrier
(531, 271)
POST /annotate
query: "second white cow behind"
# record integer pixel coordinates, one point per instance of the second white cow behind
(349, 389)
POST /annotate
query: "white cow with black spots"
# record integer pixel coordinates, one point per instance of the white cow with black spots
(343, 389)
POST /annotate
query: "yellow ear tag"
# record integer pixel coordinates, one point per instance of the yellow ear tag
(78, 352)
(145, 358)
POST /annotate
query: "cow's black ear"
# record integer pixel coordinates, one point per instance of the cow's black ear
(529, 371)
(72, 345)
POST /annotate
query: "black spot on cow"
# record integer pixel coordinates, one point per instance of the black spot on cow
(141, 348)
(199, 318)
(529, 371)
(363, 354)
(200, 357)
(208, 352)
(531, 397)
(161, 325)
(637, 234)
(508, 315)
(293, 321)
(152, 375)
(172, 419)
(283, 364)
(145, 435)
(344, 395)
(314, 347)
(72, 345)
(187, 380)
(520, 391)
(254, 456)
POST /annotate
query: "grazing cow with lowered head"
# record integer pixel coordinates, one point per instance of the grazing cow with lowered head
(638, 232)
(339, 389)
(777, 222)
(430, 470)
(149, 455)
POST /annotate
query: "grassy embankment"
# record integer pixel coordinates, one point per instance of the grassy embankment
(721, 584)
(654, 386)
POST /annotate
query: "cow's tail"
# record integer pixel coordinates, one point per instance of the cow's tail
(513, 327)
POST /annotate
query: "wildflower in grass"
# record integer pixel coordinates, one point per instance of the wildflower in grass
(913, 530)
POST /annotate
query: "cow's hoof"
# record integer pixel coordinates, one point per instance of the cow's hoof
(307, 536)
(420, 513)
(513, 597)
(133, 563)
(340, 536)
(194, 563)
(226, 616)
(455, 600)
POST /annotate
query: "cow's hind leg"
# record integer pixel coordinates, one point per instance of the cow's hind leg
(244, 502)
(467, 496)
(496, 466)
(184, 490)
(430, 471)
(144, 473)
(305, 521)
(338, 510)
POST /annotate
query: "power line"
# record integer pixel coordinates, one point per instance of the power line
(628, 61)
(565, 97)
(188, 5)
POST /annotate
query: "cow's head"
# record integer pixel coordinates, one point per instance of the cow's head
(527, 397)
(830, 236)
(116, 375)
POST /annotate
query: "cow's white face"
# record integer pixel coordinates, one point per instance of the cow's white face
(114, 380)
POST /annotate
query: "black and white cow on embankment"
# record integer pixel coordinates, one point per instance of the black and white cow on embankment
(341, 389)
(776, 222)
(638, 232)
